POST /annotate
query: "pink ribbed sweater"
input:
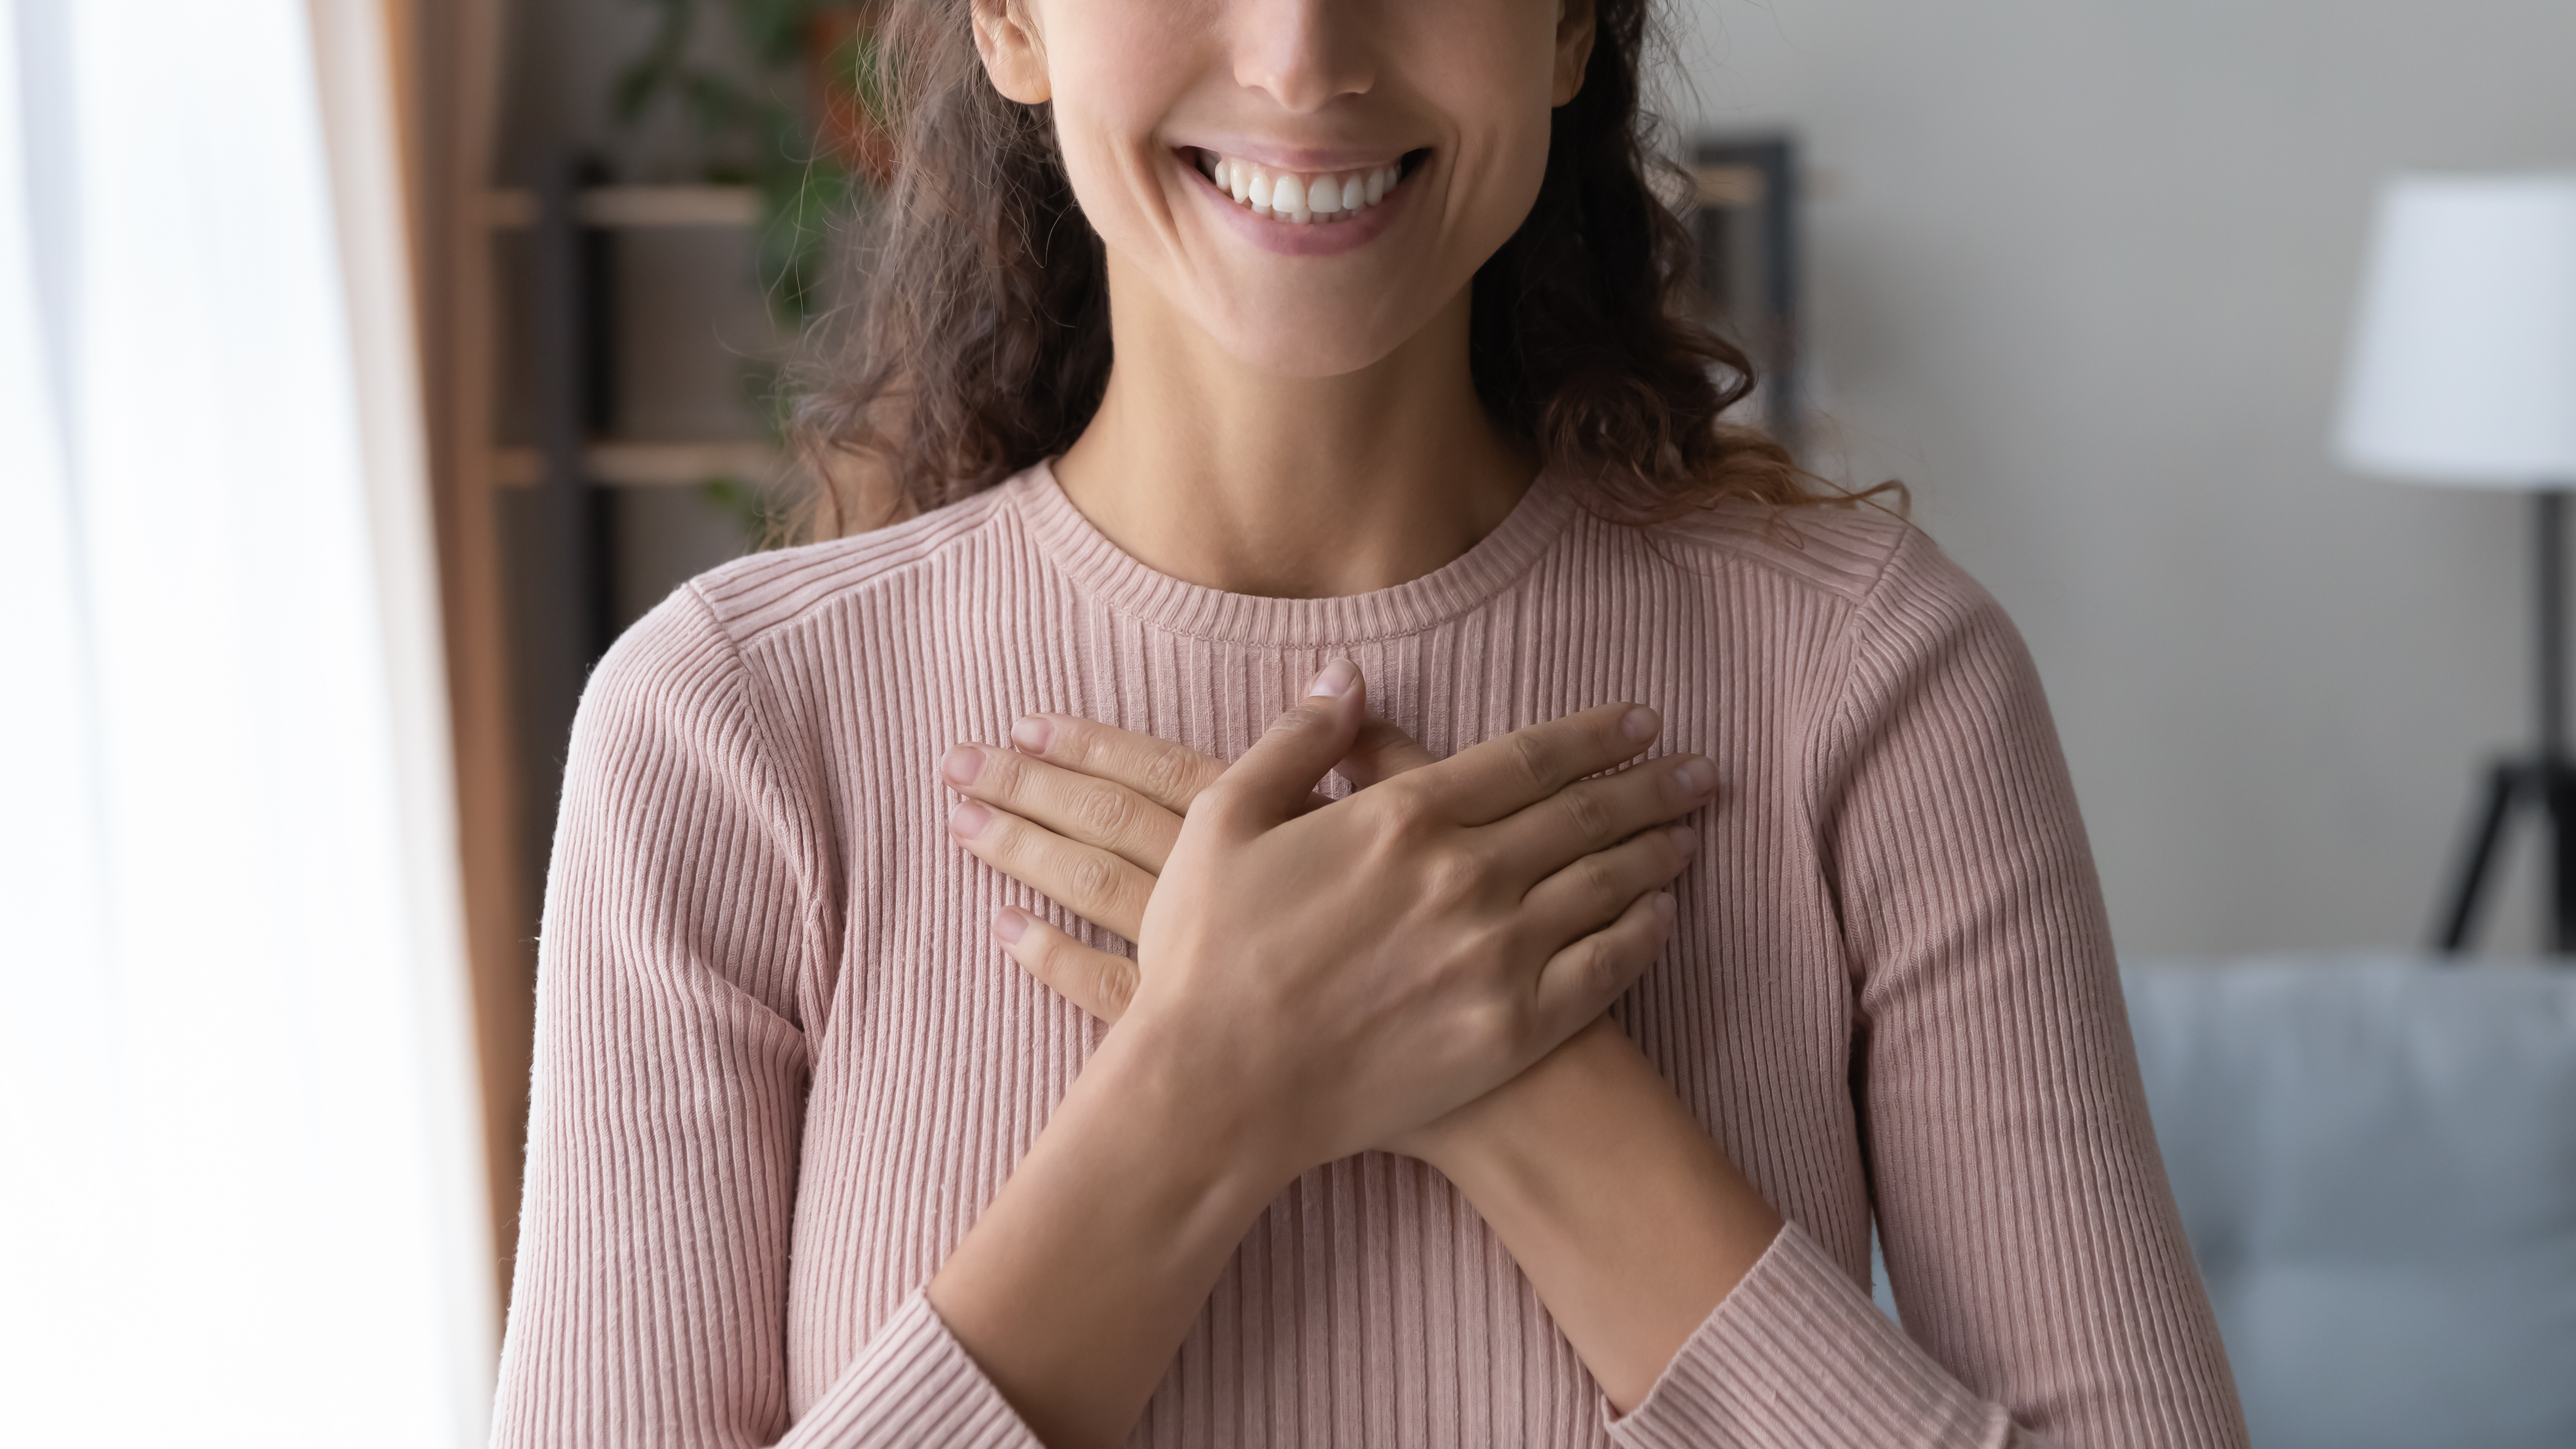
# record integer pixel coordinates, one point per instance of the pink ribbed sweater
(781, 1064)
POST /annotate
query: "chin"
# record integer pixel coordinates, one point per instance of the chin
(1303, 357)
(1338, 342)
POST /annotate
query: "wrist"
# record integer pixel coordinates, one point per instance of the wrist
(1492, 1144)
(1203, 1135)
(1630, 1220)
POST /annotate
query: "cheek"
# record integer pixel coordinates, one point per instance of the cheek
(1499, 172)
(1106, 110)
(1497, 89)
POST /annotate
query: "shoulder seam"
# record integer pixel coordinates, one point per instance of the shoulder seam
(1830, 741)
(1855, 586)
(758, 707)
(921, 558)
(1866, 607)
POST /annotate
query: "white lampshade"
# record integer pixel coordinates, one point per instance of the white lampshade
(2463, 365)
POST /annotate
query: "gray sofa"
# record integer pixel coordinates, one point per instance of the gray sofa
(2376, 1162)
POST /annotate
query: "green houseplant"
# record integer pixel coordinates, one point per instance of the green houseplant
(800, 119)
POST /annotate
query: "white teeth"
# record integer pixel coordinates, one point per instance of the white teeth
(1289, 196)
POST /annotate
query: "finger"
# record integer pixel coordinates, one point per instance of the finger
(1079, 808)
(1493, 779)
(1594, 891)
(1579, 982)
(1171, 775)
(1382, 753)
(1086, 880)
(1595, 814)
(1093, 979)
(1273, 780)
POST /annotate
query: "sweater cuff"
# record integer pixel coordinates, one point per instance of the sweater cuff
(1798, 1355)
(914, 1385)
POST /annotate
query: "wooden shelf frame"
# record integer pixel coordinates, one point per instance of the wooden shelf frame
(646, 465)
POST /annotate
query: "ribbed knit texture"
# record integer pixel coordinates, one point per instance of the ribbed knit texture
(781, 1064)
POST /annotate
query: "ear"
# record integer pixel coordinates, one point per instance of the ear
(1006, 36)
(1574, 32)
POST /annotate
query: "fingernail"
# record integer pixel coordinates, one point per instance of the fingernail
(1640, 723)
(962, 764)
(1664, 907)
(1698, 776)
(1032, 734)
(968, 820)
(1685, 839)
(1335, 681)
(1009, 924)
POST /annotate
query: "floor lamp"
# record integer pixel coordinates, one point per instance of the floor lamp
(2463, 372)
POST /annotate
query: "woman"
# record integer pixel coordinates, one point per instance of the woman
(1225, 346)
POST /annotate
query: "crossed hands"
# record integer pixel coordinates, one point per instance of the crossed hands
(1358, 970)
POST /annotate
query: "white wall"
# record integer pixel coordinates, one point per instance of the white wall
(2080, 273)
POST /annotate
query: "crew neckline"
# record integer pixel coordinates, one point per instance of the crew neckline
(1117, 578)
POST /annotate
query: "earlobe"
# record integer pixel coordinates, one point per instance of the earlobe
(1574, 34)
(1014, 58)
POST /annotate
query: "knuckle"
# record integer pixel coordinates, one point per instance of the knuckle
(1093, 883)
(1222, 800)
(1455, 877)
(1075, 743)
(1129, 897)
(1601, 970)
(1670, 857)
(1167, 775)
(1104, 812)
(1005, 774)
(1002, 845)
(1114, 984)
(1599, 883)
(1404, 804)
(1397, 833)
(1586, 814)
(1044, 958)
(1531, 756)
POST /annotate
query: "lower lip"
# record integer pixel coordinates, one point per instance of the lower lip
(1303, 238)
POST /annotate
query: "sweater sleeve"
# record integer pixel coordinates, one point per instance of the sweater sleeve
(682, 908)
(2031, 1240)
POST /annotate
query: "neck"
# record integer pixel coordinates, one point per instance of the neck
(1287, 487)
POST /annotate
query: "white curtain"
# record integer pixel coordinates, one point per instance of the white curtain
(241, 1195)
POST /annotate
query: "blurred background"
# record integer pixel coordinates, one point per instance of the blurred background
(367, 365)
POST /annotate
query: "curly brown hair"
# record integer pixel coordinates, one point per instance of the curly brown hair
(978, 339)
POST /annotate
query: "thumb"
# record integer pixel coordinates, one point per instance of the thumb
(1274, 778)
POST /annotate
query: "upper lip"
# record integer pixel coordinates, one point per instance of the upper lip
(1281, 156)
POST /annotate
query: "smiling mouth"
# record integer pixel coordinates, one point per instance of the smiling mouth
(1303, 197)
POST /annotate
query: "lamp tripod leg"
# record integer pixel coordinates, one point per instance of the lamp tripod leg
(2459, 914)
(2553, 777)
(2559, 790)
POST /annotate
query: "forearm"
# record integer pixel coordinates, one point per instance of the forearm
(1076, 1285)
(1622, 1210)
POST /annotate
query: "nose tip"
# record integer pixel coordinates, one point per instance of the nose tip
(1304, 54)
